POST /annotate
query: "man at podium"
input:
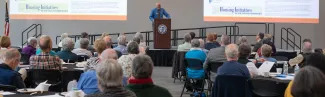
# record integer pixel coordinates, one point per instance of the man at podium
(158, 13)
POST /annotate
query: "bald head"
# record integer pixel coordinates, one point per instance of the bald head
(307, 48)
(231, 52)
(109, 54)
(158, 5)
(12, 57)
(108, 41)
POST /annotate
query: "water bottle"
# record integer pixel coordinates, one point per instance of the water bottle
(297, 68)
(285, 68)
(72, 85)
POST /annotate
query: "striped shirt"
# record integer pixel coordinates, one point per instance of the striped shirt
(80, 51)
(45, 61)
(92, 63)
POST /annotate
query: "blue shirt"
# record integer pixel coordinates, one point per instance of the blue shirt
(154, 14)
(196, 54)
(38, 52)
(233, 68)
(269, 59)
(88, 82)
(122, 49)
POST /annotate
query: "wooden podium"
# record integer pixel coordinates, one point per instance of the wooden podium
(162, 32)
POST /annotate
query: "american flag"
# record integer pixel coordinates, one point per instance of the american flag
(7, 25)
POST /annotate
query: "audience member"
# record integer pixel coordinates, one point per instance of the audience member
(121, 41)
(88, 81)
(318, 50)
(44, 60)
(192, 35)
(30, 49)
(142, 44)
(268, 40)
(196, 52)
(202, 46)
(316, 60)
(104, 35)
(259, 43)
(210, 42)
(82, 50)
(5, 42)
(232, 67)
(66, 54)
(266, 51)
(126, 60)
(309, 82)
(218, 54)
(8, 75)
(242, 40)
(99, 46)
(244, 52)
(215, 37)
(109, 45)
(109, 76)
(187, 44)
(63, 36)
(83, 35)
(305, 55)
(141, 83)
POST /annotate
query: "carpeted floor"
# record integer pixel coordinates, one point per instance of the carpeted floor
(162, 77)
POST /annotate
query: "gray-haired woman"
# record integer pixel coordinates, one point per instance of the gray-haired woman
(110, 75)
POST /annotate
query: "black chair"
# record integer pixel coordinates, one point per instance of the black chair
(179, 65)
(232, 86)
(194, 64)
(53, 77)
(82, 58)
(264, 88)
(69, 61)
(7, 88)
(212, 68)
(24, 58)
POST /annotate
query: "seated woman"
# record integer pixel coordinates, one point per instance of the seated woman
(210, 42)
(92, 62)
(126, 60)
(308, 82)
(109, 75)
(30, 49)
(66, 54)
(5, 42)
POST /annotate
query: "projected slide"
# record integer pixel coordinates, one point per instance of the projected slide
(287, 11)
(69, 9)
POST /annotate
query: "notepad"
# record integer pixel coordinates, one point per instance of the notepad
(265, 67)
(7, 93)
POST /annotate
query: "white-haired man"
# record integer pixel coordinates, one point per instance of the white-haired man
(232, 67)
(121, 41)
(302, 58)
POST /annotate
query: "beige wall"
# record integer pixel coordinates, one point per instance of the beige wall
(185, 14)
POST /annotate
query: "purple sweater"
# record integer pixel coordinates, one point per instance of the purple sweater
(29, 50)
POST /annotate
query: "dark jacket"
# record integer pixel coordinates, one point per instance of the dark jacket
(148, 90)
(10, 77)
(258, 45)
(114, 92)
(243, 60)
(67, 55)
(211, 45)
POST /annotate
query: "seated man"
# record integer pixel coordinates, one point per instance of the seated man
(259, 43)
(30, 49)
(187, 44)
(88, 80)
(8, 75)
(217, 54)
(232, 67)
(302, 58)
(141, 83)
(82, 50)
(44, 60)
(66, 54)
(108, 42)
(244, 52)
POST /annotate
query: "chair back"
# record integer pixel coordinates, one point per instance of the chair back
(82, 58)
(53, 77)
(7, 88)
(232, 86)
(213, 66)
(24, 58)
(69, 61)
(194, 64)
(259, 87)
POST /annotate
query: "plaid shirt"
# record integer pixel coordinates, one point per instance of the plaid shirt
(45, 61)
